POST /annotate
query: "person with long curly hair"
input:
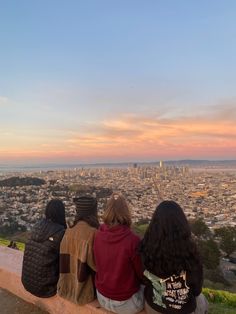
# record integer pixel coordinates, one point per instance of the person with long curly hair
(173, 267)
(119, 266)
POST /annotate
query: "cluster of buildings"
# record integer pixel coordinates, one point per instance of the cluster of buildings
(202, 193)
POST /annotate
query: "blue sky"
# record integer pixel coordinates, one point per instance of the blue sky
(67, 68)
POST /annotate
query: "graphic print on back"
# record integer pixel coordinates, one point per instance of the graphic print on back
(172, 291)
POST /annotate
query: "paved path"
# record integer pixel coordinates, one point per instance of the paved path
(10, 304)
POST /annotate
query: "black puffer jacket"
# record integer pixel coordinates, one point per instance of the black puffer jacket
(40, 270)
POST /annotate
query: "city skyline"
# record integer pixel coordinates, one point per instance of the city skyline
(93, 82)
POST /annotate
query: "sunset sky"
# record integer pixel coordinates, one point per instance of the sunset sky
(117, 80)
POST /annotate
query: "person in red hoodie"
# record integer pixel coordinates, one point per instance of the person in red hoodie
(118, 263)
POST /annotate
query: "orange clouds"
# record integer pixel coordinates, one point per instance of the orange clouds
(211, 134)
(150, 137)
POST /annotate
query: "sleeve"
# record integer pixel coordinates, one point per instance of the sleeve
(90, 256)
(86, 264)
(197, 281)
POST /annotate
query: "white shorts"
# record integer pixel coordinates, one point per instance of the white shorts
(133, 305)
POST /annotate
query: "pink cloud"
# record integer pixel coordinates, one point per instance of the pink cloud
(210, 134)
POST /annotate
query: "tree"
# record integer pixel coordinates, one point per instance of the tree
(227, 237)
(200, 229)
(9, 229)
(209, 252)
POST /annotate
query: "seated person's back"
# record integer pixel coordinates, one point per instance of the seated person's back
(40, 270)
(77, 267)
(173, 267)
(119, 267)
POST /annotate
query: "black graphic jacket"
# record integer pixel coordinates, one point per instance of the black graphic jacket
(174, 294)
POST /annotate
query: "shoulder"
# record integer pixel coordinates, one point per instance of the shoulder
(60, 233)
(86, 228)
(81, 229)
(133, 241)
(38, 225)
(70, 232)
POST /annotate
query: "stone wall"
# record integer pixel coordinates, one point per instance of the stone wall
(10, 279)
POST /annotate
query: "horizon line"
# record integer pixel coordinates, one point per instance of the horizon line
(38, 164)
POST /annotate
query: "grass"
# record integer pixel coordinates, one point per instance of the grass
(220, 309)
(5, 242)
(220, 301)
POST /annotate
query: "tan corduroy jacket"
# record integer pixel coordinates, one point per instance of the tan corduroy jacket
(77, 267)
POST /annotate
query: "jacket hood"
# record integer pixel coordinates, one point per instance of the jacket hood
(113, 234)
(45, 229)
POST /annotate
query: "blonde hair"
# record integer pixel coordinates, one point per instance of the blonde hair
(117, 211)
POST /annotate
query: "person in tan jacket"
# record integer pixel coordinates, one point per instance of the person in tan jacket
(77, 267)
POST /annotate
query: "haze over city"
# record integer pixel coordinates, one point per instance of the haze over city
(112, 81)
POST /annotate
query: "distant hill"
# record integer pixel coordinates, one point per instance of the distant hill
(213, 163)
(17, 181)
(54, 166)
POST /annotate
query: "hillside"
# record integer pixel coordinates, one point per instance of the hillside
(17, 181)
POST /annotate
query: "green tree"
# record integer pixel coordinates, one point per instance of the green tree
(227, 238)
(209, 252)
(200, 229)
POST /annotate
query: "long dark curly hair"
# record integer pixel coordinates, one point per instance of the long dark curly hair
(167, 247)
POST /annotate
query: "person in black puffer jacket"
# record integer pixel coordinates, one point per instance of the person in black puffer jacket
(40, 272)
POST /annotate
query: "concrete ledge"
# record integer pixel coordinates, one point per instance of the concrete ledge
(10, 279)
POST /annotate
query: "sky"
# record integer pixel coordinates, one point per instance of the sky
(111, 81)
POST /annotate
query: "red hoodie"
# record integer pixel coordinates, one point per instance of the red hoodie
(119, 266)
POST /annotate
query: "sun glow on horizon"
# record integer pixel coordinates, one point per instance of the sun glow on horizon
(128, 137)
